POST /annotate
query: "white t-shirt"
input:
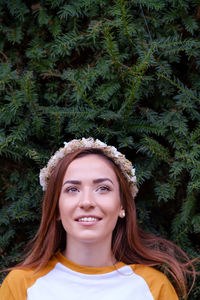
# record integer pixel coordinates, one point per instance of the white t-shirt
(62, 279)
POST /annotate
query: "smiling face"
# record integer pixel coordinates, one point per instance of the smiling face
(89, 203)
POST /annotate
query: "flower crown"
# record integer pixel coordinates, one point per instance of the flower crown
(124, 164)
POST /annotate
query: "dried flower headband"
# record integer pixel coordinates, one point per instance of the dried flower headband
(124, 164)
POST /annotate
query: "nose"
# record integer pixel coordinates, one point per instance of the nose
(86, 200)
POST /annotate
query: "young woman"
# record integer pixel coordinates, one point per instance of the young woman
(88, 243)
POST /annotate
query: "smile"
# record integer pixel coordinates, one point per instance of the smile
(88, 219)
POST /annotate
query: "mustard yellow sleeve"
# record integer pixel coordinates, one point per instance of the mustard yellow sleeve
(167, 291)
(158, 283)
(5, 291)
(18, 281)
(14, 286)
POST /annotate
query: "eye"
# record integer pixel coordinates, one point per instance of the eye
(103, 188)
(71, 190)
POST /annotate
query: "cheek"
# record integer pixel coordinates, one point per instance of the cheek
(65, 214)
(63, 207)
(113, 209)
(60, 206)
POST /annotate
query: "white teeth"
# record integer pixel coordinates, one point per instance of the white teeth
(88, 219)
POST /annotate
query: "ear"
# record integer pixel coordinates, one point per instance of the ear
(58, 218)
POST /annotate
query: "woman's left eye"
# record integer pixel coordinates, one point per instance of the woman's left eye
(103, 188)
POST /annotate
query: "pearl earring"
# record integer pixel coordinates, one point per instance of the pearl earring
(123, 214)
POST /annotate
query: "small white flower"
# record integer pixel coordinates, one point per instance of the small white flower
(134, 179)
(115, 152)
(133, 172)
(87, 142)
(101, 144)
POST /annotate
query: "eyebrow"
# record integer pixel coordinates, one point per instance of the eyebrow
(98, 180)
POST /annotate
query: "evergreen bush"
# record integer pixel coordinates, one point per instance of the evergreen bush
(126, 72)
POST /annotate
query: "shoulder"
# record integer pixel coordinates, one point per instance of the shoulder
(18, 274)
(14, 285)
(158, 283)
(29, 275)
(17, 282)
(149, 273)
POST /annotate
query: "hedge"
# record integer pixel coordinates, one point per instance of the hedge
(126, 72)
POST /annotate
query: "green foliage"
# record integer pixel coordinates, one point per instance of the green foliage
(126, 72)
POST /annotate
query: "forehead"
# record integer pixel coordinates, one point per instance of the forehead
(90, 165)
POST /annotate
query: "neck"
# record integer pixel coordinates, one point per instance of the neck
(89, 254)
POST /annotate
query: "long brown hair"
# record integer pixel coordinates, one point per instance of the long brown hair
(130, 243)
